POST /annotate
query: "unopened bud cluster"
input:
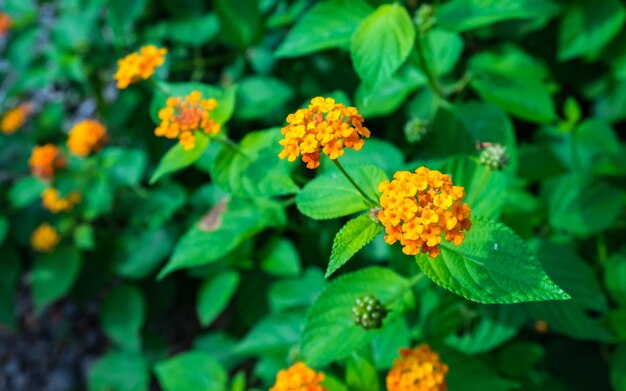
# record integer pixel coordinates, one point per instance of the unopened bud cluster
(415, 129)
(493, 156)
(368, 312)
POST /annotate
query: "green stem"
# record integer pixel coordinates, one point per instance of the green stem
(432, 80)
(367, 198)
(224, 140)
(159, 87)
(481, 186)
(602, 249)
(414, 280)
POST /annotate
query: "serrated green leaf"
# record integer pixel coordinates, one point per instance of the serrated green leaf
(123, 315)
(141, 252)
(588, 26)
(328, 24)
(331, 195)
(463, 15)
(350, 239)
(280, 258)
(241, 21)
(296, 292)
(385, 345)
(382, 42)
(53, 275)
(178, 158)
(261, 97)
(189, 371)
(274, 334)
(493, 265)
(120, 372)
(330, 332)
(214, 295)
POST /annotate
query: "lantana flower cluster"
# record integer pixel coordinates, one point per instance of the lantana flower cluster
(86, 137)
(52, 200)
(139, 65)
(15, 118)
(181, 117)
(299, 377)
(44, 238)
(418, 369)
(45, 160)
(418, 208)
(325, 126)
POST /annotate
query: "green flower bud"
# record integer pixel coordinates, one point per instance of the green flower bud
(368, 312)
(415, 129)
(493, 156)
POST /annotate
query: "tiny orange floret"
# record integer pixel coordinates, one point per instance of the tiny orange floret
(86, 137)
(299, 377)
(45, 160)
(180, 118)
(15, 118)
(326, 127)
(418, 369)
(139, 65)
(419, 208)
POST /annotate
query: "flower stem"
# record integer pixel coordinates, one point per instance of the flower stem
(367, 198)
(224, 140)
(159, 87)
(481, 186)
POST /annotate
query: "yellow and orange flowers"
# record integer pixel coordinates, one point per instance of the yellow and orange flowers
(51, 199)
(417, 208)
(5, 23)
(139, 65)
(181, 117)
(44, 238)
(86, 137)
(45, 160)
(15, 118)
(299, 377)
(417, 369)
(324, 126)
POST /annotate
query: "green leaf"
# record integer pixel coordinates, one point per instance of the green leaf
(331, 195)
(25, 191)
(4, 228)
(225, 98)
(53, 275)
(385, 345)
(123, 315)
(222, 229)
(375, 151)
(280, 258)
(261, 97)
(463, 15)
(191, 371)
(9, 273)
(255, 170)
(361, 374)
(98, 199)
(615, 278)
(296, 292)
(581, 207)
(514, 81)
(327, 25)
(214, 295)
(470, 374)
(178, 158)
(493, 265)
(588, 26)
(193, 30)
(442, 50)
(126, 166)
(240, 20)
(382, 42)
(350, 239)
(119, 371)
(83, 237)
(330, 332)
(274, 334)
(140, 252)
(618, 368)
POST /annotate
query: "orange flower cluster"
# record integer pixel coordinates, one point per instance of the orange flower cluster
(324, 126)
(417, 369)
(299, 377)
(44, 238)
(5, 23)
(417, 208)
(181, 117)
(45, 160)
(86, 136)
(15, 118)
(139, 65)
(52, 200)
